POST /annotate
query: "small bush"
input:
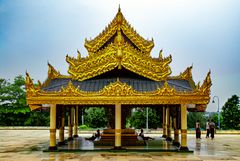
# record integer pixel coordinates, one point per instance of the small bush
(84, 127)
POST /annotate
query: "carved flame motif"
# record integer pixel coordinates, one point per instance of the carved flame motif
(118, 89)
(30, 89)
(186, 75)
(52, 73)
(70, 90)
(205, 88)
(165, 90)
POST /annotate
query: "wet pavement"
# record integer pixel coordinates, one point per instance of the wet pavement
(82, 144)
(24, 145)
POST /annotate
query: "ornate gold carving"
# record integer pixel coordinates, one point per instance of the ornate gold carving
(117, 92)
(119, 22)
(126, 50)
(186, 75)
(205, 88)
(161, 55)
(114, 56)
(118, 89)
(70, 90)
(165, 90)
(31, 90)
(79, 55)
(29, 82)
(34, 107)
(53, 74)
(199, 108)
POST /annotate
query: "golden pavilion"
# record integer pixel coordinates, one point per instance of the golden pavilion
(119, 74)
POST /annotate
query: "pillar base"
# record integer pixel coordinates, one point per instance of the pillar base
(182, 148)
(118, 148)
(164, 136)
(52, 148)
(169, 139)
(75, 136)
(62, 143)
(176, 144)
(70, 139)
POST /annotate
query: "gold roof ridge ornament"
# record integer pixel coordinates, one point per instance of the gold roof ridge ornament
(127, 50)
(53, 74)
(205, 88)
(118, 89)
(165, 90)
(119, 22)
(70, 90)
(31, 90)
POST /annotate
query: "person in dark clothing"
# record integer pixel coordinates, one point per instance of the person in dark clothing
(198, 130)
(94, 136)
(212, 129)
(141, 134)
(207, 128)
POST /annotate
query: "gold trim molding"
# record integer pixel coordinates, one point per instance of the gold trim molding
(117, 92)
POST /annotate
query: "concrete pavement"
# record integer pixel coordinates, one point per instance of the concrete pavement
(28, 145)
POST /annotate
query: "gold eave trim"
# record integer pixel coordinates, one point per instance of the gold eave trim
(117, 92)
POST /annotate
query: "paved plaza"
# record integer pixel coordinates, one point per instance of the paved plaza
(24, 145)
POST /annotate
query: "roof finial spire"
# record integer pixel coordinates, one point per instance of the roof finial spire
(119, 8)
(160, 54)
(79, 55)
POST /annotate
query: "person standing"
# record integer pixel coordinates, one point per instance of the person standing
(207, 128)
(212, 129)
(198, 130)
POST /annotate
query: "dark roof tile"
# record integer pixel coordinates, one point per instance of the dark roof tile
(94, 85)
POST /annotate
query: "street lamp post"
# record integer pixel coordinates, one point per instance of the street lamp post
(218, 110)
(147, 120)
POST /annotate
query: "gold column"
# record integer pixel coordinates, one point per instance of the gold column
(176, 131)
(52, 144)
(76, 122)
(183, 127)
(61, 129)
(164, 123)
(168, 122)
(117, 126)
(70, 122)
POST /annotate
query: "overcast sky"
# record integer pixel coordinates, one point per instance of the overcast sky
(205, 33)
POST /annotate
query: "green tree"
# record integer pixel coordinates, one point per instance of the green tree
(138, 118)
(231, 113)
(193, 117)
(13, 106)
(95, 117)
(215, 119)
(14, 110)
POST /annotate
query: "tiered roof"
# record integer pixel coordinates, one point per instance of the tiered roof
(119, 69)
